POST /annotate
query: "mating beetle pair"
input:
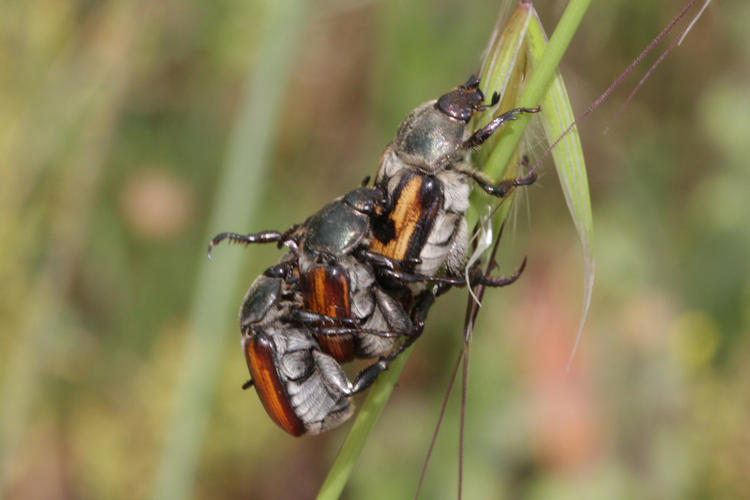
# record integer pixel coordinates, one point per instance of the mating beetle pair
(302, 388)
(364, 260)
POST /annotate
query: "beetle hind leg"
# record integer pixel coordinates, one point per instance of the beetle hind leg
(486, 280)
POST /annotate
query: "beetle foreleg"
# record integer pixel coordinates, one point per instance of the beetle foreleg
(246, 239)
(480, 136)
(484, 133)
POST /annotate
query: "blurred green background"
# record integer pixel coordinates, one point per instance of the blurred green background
(119, 353)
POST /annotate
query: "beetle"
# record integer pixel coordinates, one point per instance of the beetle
(303, 389)
(427, 173)
(342, 303)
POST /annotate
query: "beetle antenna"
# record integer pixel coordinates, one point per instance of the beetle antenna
(471, 83)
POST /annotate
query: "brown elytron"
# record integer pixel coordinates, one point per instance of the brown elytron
(325, 289)
(418, 199)
(260, 360)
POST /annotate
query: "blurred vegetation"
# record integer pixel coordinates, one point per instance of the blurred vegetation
(115, 118)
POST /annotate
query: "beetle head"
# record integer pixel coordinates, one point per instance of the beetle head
(463, 101)
(367, 200)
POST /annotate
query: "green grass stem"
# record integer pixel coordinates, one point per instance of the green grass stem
(534, 91)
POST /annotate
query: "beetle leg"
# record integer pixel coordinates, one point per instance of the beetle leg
(441, 289)
(416, 278)
(333, 331)
(482, 279)
(405, 326)
(502, 188)
(248, 384)
(392, 311)
(332, 373)
(246, 239)
(419, 312)
(446, 281)
(480, 136)
(381, 261)
(367, 376)
(305, 316)
(484, 133)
